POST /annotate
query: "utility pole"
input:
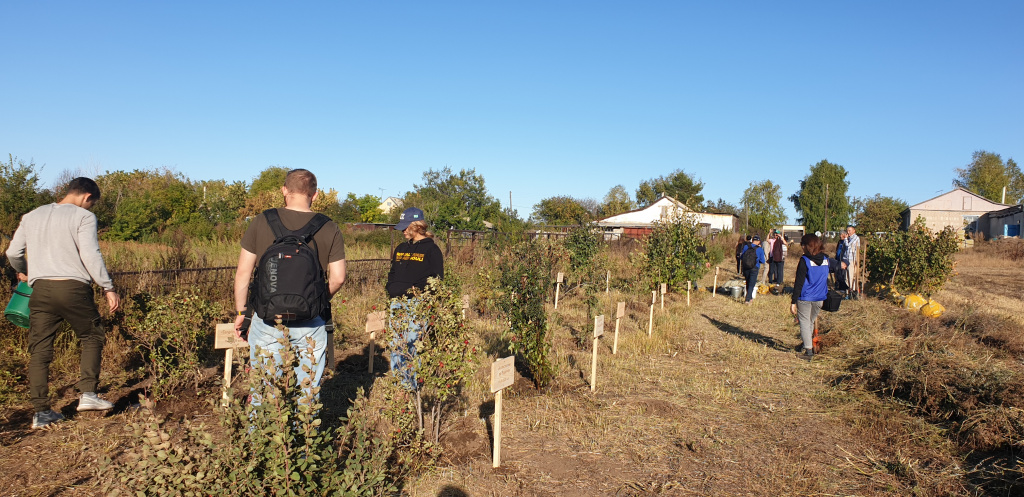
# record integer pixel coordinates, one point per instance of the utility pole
(510, 200)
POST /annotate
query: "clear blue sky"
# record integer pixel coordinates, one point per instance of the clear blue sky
(541, 98)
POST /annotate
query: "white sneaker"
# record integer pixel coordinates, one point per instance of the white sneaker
(46, 419)
(89, 401)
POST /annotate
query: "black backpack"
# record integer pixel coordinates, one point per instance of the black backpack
(289, 280)
(749, 258)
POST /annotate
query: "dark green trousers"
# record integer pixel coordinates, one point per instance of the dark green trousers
(54, 301)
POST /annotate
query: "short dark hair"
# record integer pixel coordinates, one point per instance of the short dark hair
(301, 181)
(84, 185)
(811, 244)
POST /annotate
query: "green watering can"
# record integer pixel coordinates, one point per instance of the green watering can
(17, 310)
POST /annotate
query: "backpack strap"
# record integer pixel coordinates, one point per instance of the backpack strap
(306, 232)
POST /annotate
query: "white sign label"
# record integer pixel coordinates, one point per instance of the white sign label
(465, 301)
(664, 288)
(620, 310)
(599, 326)
(503, 373)
(559, 278)
(375, 321)
(225, 338)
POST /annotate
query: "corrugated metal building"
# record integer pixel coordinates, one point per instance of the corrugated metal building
(1003, 223)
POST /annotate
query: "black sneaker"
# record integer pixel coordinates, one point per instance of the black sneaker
(44, 419)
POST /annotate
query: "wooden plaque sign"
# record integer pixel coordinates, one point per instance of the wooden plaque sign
(503, 373)
(465, 301)
(559, 278)
(620, 310)
(664, 288)
(225, 337)
(375, 321)
(599, 326)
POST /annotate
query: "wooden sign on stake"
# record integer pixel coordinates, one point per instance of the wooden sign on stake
(620, 311)
(465, 305)
(598, 331)
(607, 281)
(714, 289)
(224, 338)
(503, 373)
(664, 289)
(650, 320)
(558, 286)
(374, 323)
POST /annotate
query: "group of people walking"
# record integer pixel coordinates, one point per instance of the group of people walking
(810, 286)
(56, 251)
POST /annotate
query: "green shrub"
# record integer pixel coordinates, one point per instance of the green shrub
(444, 361)
(673, 253)
(172, 334)
(913, 261)
(525, 277)
(276, 448)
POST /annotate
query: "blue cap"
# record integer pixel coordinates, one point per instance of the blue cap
(408, 216)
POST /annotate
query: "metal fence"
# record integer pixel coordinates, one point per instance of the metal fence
(168, 280)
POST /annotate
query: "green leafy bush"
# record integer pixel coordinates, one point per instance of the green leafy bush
(914, 261)
(673, 253)
(172, 334)
(276, 448)
(444, 360)
(525, 276)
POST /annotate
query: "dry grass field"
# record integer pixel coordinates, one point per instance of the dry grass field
(714, 403)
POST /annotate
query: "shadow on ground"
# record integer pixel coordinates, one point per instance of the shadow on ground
(748, 335)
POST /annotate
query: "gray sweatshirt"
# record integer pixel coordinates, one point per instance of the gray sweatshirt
(61, 244)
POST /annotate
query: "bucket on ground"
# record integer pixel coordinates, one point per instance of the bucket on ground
(17, 309)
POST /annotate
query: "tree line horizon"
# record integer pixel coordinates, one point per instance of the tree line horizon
(149, 205)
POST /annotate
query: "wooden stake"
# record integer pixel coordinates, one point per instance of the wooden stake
(598, 331)
(714, 290)
(650, 320)
(688, 293)
(497, 430)
(664, 288)
(228, 358)
(608, 281)
(558, 286)
(373, 340)
(619, 312)
(374, 323)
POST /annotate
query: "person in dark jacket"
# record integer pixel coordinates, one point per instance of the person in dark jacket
(810, 289)
(412, 263)
(751, 274)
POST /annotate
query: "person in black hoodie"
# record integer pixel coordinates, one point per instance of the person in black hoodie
(413, 261)
(810, 289)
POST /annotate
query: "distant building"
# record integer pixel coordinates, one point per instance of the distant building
(389, 204)
(639, 223)
(959, 208)
(1003, 223)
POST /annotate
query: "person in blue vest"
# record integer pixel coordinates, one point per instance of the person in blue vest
(751, 273)
(810, 289)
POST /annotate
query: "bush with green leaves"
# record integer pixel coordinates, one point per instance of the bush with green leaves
(172, 334)
(913, 261)
(523, 286)
(278, 447)
(673, 253)
(444, 359)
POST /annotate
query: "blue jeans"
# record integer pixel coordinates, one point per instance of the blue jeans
(403, 345)
(751, 276)
(263, 336)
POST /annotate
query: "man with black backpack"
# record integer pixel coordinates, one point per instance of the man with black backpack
(298, 257)
(751, 258)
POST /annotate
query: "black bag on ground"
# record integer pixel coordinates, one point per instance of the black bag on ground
(289, 280)
(748, 260)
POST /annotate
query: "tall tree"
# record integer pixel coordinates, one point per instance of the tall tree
(720, 206)
(880, 214)
(678, 185)
(561, 210)
(987, 175)
(19, 192)
(821, 200)
(457, 201)
(763, 201)
(616, 201)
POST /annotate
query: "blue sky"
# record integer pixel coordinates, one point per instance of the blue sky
(541, 98)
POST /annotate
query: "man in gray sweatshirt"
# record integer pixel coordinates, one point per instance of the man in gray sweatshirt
(56, 250)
